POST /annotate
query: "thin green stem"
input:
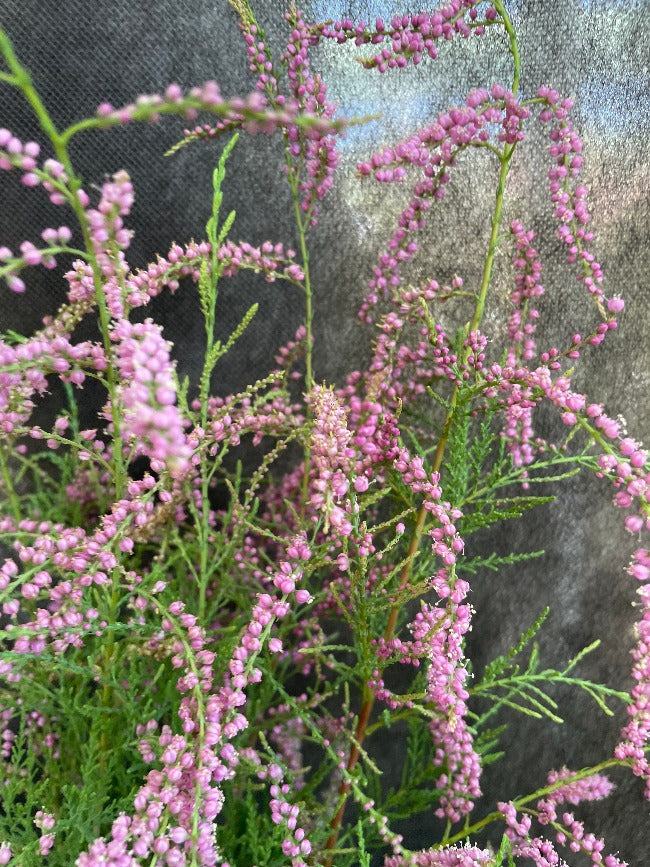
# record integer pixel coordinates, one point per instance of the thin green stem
(304, 253)
(513, 46)
(203, 525)
(309, 315)
(503, 174)
(494, 233)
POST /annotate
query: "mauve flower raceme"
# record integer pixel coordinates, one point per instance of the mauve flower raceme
(52, 176)
(528, 286)
(232, 417)
(108, 235)
(331, 454)
(80, 561)
(592, 788)
(147, 394)
(304, 115)
(442, 632)
(253, 112)
(140, 286)
(570, 833)
(30, 255)
(433, 151)
(26, 366)
(448, 856)
(568, 196)
(316, 151)
(438, 632)
(410, 38)
(310, 149)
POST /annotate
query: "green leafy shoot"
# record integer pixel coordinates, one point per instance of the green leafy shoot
(486, 745)
(364, 857)
(505, 852)
(489, 511)
(457, 474)
(494, 562)
(525, 691)
(218, 350)
(210, 276)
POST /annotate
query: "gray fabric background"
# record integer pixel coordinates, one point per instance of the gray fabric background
(82, 52)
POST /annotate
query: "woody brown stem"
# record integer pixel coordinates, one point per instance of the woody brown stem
(368, 703)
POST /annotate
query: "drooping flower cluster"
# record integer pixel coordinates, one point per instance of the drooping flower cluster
(433, 151)
(528, 287)
(316, 150)
(567, 195)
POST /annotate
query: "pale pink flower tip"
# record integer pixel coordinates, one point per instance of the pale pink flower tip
(615, 305)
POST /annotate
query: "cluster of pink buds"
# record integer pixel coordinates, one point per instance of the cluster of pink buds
(177, 805)
(331, 456)
(542, 851)
(593, 788)
(410, 37)
(446, 541)
(310, 91)
(569, 197)
(254, 114)
(539, 850)
(442, 632)
(259, 61)
(107, 233)
(448, 856)
(433, 151)
(291, 351)
(45, 822)
(148, 395)
(528, 286)
(207, 97)
(287, 736)
(30, 255)
(233, 416)
(25, 368)
(270, 260)
(296, 844)
(15, 154)
(636, 734)
(83, 560)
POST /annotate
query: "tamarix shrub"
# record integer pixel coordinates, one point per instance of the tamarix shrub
(199, 658)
